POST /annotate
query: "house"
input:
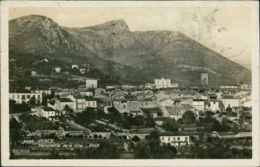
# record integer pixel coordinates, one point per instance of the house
(175, 139)
(60, 103)
(230, 101)
(247, 103)
(91, 102)
(212, 96)
(86, 93)
(80, 102)
(123, 105)
(25, 97)
(57, 69)
(110, 87)
(91, 83)
(153, 112)
(82, 71)
(75, 66)
(33, 73)
(159, 121)
(228, 86)
(206, 104)
(187, 107)
(101, 103)
(48, 92)
(216, 106)
(28, 87)
(46, 112)
(237, 109)
(166, 102)
(136, 112)
(176, 111)
(198, 104)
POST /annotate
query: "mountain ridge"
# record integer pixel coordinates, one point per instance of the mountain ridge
(111, 46)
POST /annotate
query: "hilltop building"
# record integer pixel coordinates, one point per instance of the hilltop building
(75, 66)
(161, 83)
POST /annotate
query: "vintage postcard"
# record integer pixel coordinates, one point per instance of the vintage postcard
(130, 83)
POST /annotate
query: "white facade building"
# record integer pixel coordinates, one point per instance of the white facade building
(91, 83)
(174, 139)
(91, 102)
(46, 112)
(25, 97)
(161, 83)
(74, 66)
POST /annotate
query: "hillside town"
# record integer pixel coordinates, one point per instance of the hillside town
(158, 120)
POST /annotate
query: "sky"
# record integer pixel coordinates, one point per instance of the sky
(225, 30)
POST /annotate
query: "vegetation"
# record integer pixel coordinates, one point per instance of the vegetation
(216, 148)
(189, 117)
(18, 108)
(170, 124)
(153, 150)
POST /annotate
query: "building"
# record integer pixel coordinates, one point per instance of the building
(198, 104)
(247, 103)
(75, 66)
(102, 102)
(91, 83)
(175, 139)
(25, 97)
(57, 69)
(60, 103)
(204, 78)
(161, 83)
(216, 106)
(48, 92)
(228, 86)
(175, 112)
(230, 101)
(46, 112)
(90, 102)
(80, 102)
(33, 73)
(153, 112)
(82, 71)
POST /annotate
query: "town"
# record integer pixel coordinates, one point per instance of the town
(155, 120)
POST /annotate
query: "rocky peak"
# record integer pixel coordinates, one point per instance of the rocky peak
(114, 26)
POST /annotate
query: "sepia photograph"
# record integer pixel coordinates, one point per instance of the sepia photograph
(122, 82)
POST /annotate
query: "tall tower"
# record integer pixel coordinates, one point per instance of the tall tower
(204, 78)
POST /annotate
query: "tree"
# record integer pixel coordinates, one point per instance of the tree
(229, 109)
(154, 144)
(180, 121)
(95, 136)
(33, 101)
(141, 151)
(125, 114)
(136, 139)
(159, 114)
(170, 124)
(188, 117)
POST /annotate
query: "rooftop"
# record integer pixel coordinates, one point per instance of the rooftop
(171, 133)
(65, 100)
(187, 106)
(174, 110)
(151, 110)
(47, 109)
(78, 97)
